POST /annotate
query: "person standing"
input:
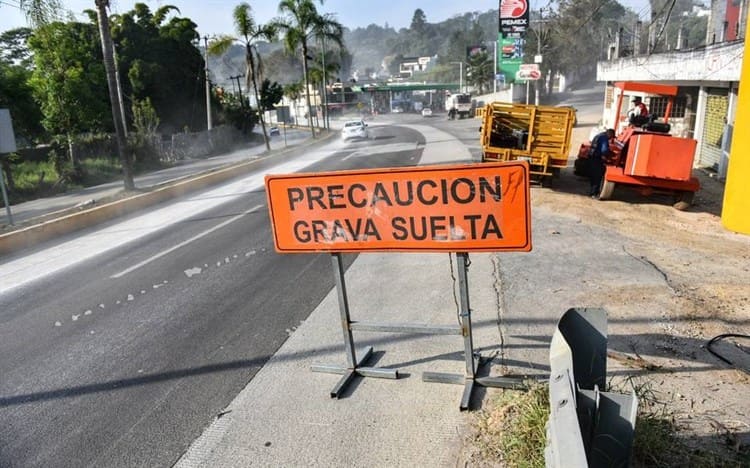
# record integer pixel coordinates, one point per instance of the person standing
(597, 153)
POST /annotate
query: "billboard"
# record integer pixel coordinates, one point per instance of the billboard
(510, 57)
(474, 50)
(514, 18)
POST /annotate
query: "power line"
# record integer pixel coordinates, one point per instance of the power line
(664, 24)
(17, 5)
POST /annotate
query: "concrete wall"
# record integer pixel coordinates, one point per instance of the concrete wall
(718, 63)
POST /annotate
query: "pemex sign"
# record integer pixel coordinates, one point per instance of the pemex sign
(513, 23)
(447, 208)
(514, 18)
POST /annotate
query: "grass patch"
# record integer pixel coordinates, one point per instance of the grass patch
(34, 180)
(511, 432)
(28, 176)
(100, 171)
(512, 429)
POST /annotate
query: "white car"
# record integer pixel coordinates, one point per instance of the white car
(426, 112)
(354, 129)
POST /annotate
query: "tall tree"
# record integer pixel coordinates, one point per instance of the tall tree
(41, 12)
(68, 80)
(479, 71)
(250, 33)
(14, 49)
(109, 68)
(270, 94)
(322, 68)
(418, 21)
(156, 54)
(301, 24)
(15, 92)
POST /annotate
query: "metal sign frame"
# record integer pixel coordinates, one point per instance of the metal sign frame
(331, 203)
(356, 365)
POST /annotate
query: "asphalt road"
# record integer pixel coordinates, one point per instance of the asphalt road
(120, 344)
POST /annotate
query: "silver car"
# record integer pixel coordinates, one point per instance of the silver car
(354, 129)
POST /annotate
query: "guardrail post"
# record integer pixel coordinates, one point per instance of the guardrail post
(586, 426)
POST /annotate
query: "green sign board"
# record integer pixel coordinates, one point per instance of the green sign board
(510, 56)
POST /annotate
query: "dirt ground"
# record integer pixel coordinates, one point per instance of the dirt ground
(707, 270)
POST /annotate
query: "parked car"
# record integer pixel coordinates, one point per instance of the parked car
(426, 112)
(274, 131)
(354, 129)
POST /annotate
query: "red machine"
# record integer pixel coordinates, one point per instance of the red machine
(645, 155)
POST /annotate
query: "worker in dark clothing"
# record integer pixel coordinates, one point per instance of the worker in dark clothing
(597, 153)
(638, 114)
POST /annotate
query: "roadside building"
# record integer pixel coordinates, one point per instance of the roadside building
(707, 78)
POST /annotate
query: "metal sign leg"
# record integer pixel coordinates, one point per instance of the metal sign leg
(469, 379)
(353, 365)
(338, 273)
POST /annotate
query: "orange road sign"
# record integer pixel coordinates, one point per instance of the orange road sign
(454, 208)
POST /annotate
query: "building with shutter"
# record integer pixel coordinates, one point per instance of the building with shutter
(707, 78)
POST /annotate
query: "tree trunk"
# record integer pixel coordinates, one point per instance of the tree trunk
(109, 67)
(307, 88)
(251, 74)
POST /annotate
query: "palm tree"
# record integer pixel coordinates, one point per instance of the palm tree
(250, 33)
(293, 91)
(40, 12)
(479, 73)
(109, 68)
(319, 72)
(301, 24)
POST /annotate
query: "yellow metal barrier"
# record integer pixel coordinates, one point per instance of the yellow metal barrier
(537, 134)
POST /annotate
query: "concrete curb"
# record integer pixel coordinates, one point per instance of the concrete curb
(38, 233)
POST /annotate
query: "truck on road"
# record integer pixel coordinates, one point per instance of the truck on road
(460, 103)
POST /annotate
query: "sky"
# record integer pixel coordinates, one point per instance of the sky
(215, 16)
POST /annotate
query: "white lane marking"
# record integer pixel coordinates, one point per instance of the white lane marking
(184, 243)
(193, 271)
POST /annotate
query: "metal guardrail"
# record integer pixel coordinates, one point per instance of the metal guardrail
(587, 427)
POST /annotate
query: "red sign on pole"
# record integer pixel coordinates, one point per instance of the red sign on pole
(454, 208)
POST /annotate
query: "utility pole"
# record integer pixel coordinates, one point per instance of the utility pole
(326, 122)
(494, 67)
(637, 39)
(208, 87)
(239, 86)
(460, 76)
(538, 58)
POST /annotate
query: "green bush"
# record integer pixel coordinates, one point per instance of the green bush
(34, 180)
